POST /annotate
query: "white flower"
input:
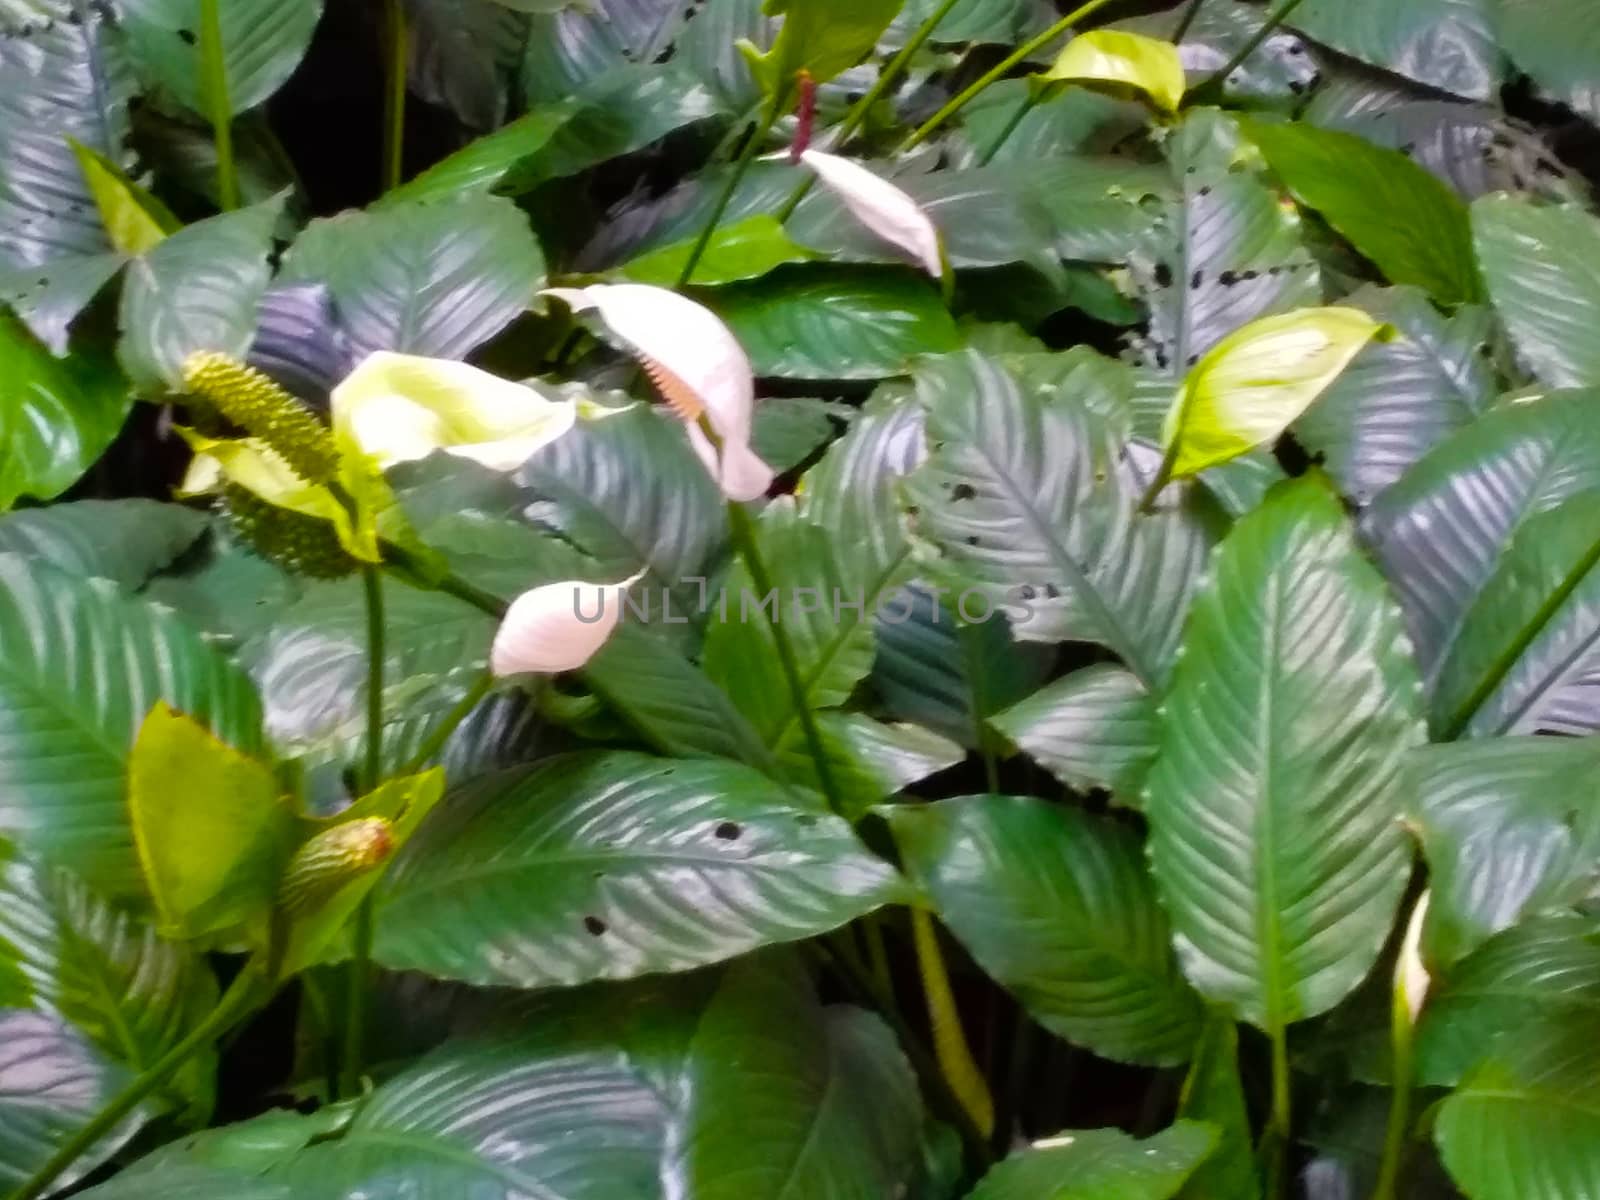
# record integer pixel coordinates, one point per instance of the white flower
(556, 627)
(881, 207)
(401, 407)
(698, 366)
(1411, 977)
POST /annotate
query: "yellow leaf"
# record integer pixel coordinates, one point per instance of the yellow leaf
(1257, 381)
(1107, 56)
(134, 220)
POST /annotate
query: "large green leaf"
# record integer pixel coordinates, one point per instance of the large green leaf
(1508, 828)
(262, 43)
(52, 1083)
(1222, 254)
(197, 290)
(1413, 227)
(613, 865)
(1525, 1125)
(1274, 804)
(836, 324)
(1547, 966)
(1542, 265)
(1442, 531)
(425, 277)
(464, 56)
(1401, 396)
(1101, 1164)
(1277, 71)
(76, 957)
(1558, 44)
(83, 664)
(1528, 658)
(821, 37)
(567, 49)
(1094, 728)
(57, 416)
(126, 540)
(1059, 908)
(1448, 44)
(1023, 498)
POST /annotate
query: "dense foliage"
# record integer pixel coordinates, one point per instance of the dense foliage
(1111, 721)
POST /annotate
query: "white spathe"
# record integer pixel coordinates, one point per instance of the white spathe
(882, 207)
(698, 365)
(556, 627)
(402, 407)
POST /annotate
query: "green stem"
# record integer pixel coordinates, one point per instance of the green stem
(235, 1004)
(972, 650)
(1402, 1030)
(744, 536)
(396, 45)
(451, 722)
(1212, 84)
(862, 109)
(1187, 23)
(999, 71)
(1275, 1138)
(949, 1041)
(741, 166)
(355, 1003)
(214, 76)
(1163, 476)
(372, 587)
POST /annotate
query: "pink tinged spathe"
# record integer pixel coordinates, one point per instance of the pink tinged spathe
(698, 366)
(557, 627)
(882, 207)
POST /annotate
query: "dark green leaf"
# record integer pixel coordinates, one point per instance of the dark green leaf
(126, 540)
(1214, 1093)
(1058, 907)
(1101, 1164)
(57, 416)
(1095, 728)
(435, 278)
(1412, 226)
(1447, 44)
(83, 665)
(1558, 43)
(615, 865)
(262, 43)
(1274, 804)
(836, 324)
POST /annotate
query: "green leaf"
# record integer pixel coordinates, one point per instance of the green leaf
(1214, 1093)
(463, 56)
(73, 717)
(1506, 830)
(789, 430)
(1109, 56)
(196, 290)
(1274, 804)
(1441, 533)
(615, 865)
(836, 324)
(262, 43)
(1021, 501)
(1556, 43)
(1542, 266)
(132, 994)
(1545, 967)
(212, 827)
(1101, 1164)
(126, 540)
(1276, 73)
(135, 220)
(1398, 399)
(1527, 658)
(434, 278)
(1253, 384)
(1057, 907)
(57, 416)
(740, 250)
(1447, 44)
(1525, 1125)
(52, 1083)
(822, 37)
(1094, 728)
(990, 22)
(1413, 227)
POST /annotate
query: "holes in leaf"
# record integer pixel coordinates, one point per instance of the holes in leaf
(187, 37)
(963, 491)
(729, 831)
(594, 925)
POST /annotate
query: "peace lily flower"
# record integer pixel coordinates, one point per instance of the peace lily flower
(697, 365)
(881, 207)
(400, 407)
(557, 627)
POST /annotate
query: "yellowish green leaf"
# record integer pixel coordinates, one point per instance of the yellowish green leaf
(212, 826)
(1257, 381)
(134, 220)
(1108, 56)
